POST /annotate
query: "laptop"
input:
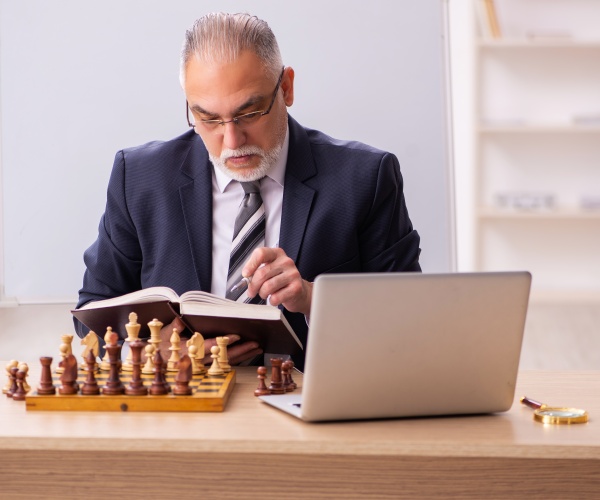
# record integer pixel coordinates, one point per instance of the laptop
(391, 345)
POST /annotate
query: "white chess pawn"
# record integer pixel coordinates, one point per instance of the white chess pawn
(64, 352)
(197, 366)
(9, 366)
(215, 369)
(23, 367)
(149, 366)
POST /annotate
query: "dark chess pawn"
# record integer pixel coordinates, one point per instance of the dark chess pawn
(46, 386)
(288, 382)
(90, 386)
(262, 389)
(276, 386)
(159, 384)
(20, 393)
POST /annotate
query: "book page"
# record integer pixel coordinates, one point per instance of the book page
(153, 294)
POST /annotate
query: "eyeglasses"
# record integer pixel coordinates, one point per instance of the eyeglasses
(241, 121)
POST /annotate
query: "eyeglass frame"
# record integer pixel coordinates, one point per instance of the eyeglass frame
(235, 120)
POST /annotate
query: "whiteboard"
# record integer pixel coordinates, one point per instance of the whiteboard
(81, 80)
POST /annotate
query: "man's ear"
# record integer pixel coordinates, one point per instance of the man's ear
(287, 85)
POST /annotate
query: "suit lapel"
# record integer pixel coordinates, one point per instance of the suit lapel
(196, 203)
(297, 196)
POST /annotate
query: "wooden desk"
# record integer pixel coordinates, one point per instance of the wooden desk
(254, 451)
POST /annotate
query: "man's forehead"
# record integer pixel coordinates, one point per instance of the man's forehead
(213, 87)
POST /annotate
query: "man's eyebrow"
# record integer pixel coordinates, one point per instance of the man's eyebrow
(250, 102)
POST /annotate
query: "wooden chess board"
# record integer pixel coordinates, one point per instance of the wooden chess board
(210, 394)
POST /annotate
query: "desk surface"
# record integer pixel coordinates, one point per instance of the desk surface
(361, 459)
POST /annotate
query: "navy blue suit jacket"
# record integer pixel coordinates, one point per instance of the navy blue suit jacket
(343, 211)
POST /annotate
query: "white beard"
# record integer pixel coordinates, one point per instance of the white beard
(267, 162)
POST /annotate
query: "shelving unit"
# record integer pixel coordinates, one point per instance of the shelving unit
(532, 95)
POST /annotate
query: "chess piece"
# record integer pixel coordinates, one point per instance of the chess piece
(105, 363)
(46, 386)
(289, 383)
(155, 325)
(172, 363)
(215, 368)
(223, 342)
(133, 331)
(19, 394)
(136, 385)
(276, 385)
(197, 340)
(197, 369)
(90, 385)
(113, 386)
(159, 384)
(262, 389)
(183, 377)
(11, 363)
(25, 369)
(68, 340)
(64, 352)
(68, 378)
(13, 381)
(149, 366)
(91, 343)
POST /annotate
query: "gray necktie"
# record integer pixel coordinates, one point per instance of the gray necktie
(248, 234)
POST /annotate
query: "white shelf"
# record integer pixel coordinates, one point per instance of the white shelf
(542, 43)
(534, 128)
(531, 96)
(557, 214)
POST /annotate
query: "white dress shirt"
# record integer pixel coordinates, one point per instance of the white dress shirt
(227, 197)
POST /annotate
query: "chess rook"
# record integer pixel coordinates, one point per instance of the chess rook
(276, 386)
(46, 386)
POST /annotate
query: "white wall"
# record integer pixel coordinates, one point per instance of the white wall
(81, 80)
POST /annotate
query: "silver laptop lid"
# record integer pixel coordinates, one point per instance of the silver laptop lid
(411, 344)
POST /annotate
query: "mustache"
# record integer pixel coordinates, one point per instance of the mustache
(243, 151)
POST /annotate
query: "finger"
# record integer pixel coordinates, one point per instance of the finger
(258, 257)
(235, 352)
(247, 356)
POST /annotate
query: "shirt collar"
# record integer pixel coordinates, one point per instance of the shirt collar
(277, 173)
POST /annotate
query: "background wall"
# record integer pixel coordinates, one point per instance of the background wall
(81, 80)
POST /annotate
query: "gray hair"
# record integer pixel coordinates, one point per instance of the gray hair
(221, 37)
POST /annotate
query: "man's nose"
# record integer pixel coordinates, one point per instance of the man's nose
(233, 136)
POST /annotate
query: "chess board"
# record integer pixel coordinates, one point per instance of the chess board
(210, 394)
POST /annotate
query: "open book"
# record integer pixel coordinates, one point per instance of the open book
(202, 312)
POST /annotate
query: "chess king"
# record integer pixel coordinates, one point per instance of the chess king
(246, 191)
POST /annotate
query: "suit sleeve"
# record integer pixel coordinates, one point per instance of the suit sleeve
(113, 262)
(388, 242)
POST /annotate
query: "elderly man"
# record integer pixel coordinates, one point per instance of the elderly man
(312, 204)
